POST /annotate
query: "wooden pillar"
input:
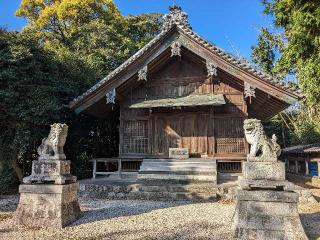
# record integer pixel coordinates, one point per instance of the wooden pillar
(119, 167)
(245, 111)
(296, 165)
(318, 165)
(94, 171)
(307, 168)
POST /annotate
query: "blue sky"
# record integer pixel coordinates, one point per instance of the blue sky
(231, 24)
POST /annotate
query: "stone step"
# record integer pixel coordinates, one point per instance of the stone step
(195, 188)
(178, 172)
(164, 176)
(176, 168)
(189, 160)
(173, 181)
(175, 196)
(205, 164)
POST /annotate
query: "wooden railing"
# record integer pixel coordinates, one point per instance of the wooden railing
(120, 162)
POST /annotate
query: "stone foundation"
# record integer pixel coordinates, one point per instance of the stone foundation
(47, 205)
(267, 215)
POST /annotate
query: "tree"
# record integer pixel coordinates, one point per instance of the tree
(91, 30)
(291, 47)
(264, 54)
(33, 89)
(58, 20)
(65, 48)
(297, 39)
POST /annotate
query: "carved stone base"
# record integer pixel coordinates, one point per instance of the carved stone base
(274, 171)
(44, 205)
(267, 215)
(50, 171)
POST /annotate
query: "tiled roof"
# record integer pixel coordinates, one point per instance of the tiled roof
(186, 29)
(310, 148)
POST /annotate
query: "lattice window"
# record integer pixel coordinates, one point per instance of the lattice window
(229, 135)
(135, 136)
(230, 145)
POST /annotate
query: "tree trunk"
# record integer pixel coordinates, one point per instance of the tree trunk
(16, 166)
(17, 169)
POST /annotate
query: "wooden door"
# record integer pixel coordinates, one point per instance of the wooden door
(181, 131)
(160, 138)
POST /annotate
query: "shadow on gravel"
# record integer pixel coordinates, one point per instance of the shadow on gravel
(196, 230)
(95, 211)
(8, 203)
(310, 223)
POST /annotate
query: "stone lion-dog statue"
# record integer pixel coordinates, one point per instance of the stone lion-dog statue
(262, 147)
(52, 146)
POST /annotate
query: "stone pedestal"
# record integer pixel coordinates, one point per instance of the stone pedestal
(50, 171)
(267, 215)
(274, 171)
(47, 205)
(264, 175)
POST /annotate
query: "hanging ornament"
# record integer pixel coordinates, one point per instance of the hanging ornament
(111, 96)
(142, 74)
(211, 68)
(249, 91)
(176, 49)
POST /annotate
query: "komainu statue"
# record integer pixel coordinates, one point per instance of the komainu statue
(52, 166)
(266, 203)
(52, 146)
(262, 147)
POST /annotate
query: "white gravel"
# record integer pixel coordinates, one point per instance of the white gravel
(125, 219)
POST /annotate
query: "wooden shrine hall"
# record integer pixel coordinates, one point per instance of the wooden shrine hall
(181, 91)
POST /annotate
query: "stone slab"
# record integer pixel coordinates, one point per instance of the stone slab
(264, 171)
(267, 215)
(45, 205)
(48, 188)
(180, 153)
(265, 184)
(267, 196)
(50, 171)
(50, 167)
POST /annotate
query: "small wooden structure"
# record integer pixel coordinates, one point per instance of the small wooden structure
(303, 159)
(181, 91)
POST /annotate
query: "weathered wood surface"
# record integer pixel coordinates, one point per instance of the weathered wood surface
(208, 130)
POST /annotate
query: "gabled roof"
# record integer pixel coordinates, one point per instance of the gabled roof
(176, 20)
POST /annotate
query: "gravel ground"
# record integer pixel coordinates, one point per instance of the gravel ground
(124, 219)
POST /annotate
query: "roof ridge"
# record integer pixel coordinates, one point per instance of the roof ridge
(240, 62)
(178, 18)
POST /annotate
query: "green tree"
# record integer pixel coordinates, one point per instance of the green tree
(91, 30)
(33, 89)
(291, 47)
(298, 41)
(65, 48)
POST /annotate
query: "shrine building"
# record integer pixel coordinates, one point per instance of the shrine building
(181, 96)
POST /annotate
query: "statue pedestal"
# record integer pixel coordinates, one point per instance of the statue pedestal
(49, 197)
(274, 171)
(50, 171)
(47, 205)
(267, 215)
